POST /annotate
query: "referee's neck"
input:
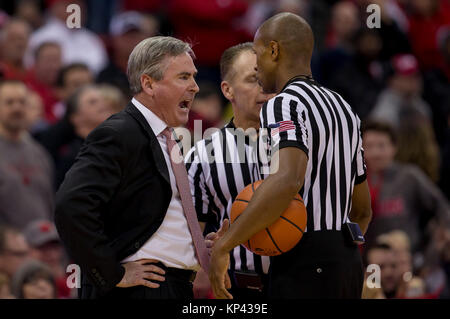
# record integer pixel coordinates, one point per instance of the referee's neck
(287, 73)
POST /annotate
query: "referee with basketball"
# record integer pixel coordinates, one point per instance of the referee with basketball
(316, 148)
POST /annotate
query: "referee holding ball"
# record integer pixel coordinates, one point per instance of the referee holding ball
(315, 137)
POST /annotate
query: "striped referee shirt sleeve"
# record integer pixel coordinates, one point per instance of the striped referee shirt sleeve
(198, 186)
(285, 119)
(361, 169)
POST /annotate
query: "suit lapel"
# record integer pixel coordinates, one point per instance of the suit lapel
(157, 153)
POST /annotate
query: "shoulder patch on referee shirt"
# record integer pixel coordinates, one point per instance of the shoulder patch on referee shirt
(281, 126)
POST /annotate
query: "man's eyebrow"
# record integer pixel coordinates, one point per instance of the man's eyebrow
(188, 73)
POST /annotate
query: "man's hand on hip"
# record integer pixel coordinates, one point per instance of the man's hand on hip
(140, 272)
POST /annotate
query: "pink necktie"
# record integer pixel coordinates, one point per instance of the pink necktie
(179, 170)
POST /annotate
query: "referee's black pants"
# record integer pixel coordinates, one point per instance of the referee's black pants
(322, 265)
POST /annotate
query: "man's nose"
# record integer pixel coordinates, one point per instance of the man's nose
(195, 87)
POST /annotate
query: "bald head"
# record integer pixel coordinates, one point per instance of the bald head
(293, 34)
(284, 46)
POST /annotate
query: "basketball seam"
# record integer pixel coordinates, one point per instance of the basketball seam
(298, 200)
(242, 200)
(270, 235)
(289, 221)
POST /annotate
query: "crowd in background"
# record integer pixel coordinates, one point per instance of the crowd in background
(57, 84)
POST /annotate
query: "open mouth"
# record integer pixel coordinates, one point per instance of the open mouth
(185, 104)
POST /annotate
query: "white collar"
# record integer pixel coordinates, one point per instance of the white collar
(157, 125)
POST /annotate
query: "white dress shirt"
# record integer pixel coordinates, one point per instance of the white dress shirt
(172, 243)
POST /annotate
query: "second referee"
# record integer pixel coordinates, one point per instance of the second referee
(216, 183)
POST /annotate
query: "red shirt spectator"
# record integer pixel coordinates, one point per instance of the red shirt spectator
(425, 24)
(42, 77)
(13, 44)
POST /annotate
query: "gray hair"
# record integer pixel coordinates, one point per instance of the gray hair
(148, 57)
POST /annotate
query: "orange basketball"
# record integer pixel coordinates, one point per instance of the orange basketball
(279, 237)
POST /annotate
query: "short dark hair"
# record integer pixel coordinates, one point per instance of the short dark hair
(60, 80)
(43, 45)
(380, 127)
(230, 55)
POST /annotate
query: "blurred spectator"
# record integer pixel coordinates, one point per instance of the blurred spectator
(96, 22)
(43, 75)
(436, 263)
(426, 20)
(35, 113)
(127, 30)
(258, 11)
(417, 145)
(394, 282)
(87, 108)
(383, 256)
(114, 99)
(402, 196)
(393, 37)
(361, 79)
(403, 93)
(90, 109)
(34, 280)
(78, 44)
(26, 172)
(70, 78)
(46, 247)
(56, 137)
(211, 27)
(391, 10)
(14, 250)
(437, 90)
(5, 290)
(411, 286)
(344, 24)
(14, 38)
(30, 11)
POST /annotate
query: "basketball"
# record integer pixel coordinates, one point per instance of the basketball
(279, 237)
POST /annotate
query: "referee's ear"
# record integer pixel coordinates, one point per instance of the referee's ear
(227, 90)
(274, 47)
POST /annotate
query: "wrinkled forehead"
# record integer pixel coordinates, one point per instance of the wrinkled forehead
(182, 63)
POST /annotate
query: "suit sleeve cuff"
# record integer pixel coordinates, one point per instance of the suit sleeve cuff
(360, 179)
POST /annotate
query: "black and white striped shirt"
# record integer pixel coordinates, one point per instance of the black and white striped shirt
(319, 121)
(218, 170)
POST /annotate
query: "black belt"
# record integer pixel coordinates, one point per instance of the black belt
(181, 274)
